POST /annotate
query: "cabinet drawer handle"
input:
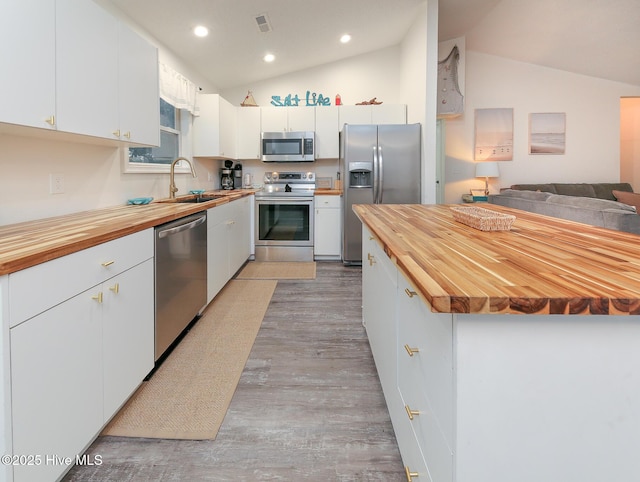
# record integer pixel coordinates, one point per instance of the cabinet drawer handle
(115, 288)
(411, 413)
(410, 475)
(410, 293)
(107, 263)
(97, 297)
(410, 350)
(116, 133)
(372, 259)
(51, 120)
(127, 134)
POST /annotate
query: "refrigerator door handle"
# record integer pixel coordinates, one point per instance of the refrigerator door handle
(376, 173)
(380, 175)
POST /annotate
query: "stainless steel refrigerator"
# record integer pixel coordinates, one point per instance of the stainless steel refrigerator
(380, 164)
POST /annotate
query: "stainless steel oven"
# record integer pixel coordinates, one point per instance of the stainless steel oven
(284, 217)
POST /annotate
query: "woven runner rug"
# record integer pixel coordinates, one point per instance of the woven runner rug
(278, 270)
(188, 396)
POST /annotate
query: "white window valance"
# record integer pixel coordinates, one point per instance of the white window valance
(177, 89)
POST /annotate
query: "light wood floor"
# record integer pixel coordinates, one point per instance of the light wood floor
(308, 406)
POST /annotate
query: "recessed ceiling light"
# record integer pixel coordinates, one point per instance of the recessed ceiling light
(269, 58)
(201, 31)
(345, 38)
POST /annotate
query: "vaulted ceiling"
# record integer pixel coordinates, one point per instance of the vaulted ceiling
(599, 38)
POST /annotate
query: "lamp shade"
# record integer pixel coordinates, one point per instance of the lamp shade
(487, 169)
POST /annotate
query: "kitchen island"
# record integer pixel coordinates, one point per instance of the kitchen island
(506, 355)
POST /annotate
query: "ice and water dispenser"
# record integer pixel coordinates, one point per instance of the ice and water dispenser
(360, 174)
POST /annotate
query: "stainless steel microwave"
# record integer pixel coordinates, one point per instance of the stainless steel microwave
(287, 146)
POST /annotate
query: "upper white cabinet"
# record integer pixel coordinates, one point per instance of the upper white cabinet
(138, 90)
(248, 140)
(214, 130)
(327, 129)
(86, 69)
(276, 119)
(27, 88)
(77, 70)
(373, 114)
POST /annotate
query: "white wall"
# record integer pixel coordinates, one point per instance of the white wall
(356, 79)
(592, 108)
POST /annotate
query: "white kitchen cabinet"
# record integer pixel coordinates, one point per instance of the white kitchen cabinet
(78, 70)
(138, 89)
(214, 130)
(79, 349)
(327, 132)
(278, 119)
(228, 242)
(27, 89)
(127, 334)
(218, 219)
(379, 281)
(86, 69)
(248, 133)
(373, 114)
(327, 233)
(240, 236)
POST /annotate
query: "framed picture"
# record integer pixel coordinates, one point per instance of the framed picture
(547, 133)
(493, 135)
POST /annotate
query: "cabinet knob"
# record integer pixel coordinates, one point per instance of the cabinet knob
(107, 263)
(127, 134)
(51, 120)
(410, 475)
(410, 293)
(410, 350)
(116, 133)
(411, 413)
(115, 288)
(97, 297)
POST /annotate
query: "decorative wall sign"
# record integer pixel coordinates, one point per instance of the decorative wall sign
(291, 100)
(494, 135)
(450, 99)
(547, 133)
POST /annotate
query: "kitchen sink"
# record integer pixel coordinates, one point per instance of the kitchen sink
(197, 199)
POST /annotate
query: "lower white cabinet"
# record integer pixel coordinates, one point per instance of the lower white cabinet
(75, 362)
(328, 227)
(228, 241)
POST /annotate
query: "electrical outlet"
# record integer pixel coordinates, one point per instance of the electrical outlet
(56, 183)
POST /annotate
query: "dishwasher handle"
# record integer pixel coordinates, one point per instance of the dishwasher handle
(163, 233)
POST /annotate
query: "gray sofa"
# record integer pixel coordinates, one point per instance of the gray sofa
(592, 204)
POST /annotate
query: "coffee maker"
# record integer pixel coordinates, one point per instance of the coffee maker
(226, 175)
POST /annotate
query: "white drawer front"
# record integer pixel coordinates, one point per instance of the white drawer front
(36, 289)
(218, 214)
(327, 201)
(431, 367)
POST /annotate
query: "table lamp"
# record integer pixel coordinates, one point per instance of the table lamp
(487, 169)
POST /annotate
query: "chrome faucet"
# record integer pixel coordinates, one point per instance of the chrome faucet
(172, 186)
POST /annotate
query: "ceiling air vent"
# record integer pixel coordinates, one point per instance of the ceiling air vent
(263, 23)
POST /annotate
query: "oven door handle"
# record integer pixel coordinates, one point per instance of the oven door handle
(283, 200)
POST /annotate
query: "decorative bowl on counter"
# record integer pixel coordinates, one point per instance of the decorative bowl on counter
(140, 200)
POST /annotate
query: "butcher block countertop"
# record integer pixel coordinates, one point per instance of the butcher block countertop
(543, 265)
(30, 243)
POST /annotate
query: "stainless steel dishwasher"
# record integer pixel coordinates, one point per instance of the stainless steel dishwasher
(180, 276)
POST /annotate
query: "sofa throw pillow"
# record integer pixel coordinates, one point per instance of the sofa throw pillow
(630, 198)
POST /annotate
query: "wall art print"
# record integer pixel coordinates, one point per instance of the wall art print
(493, 134)
(547, 133)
